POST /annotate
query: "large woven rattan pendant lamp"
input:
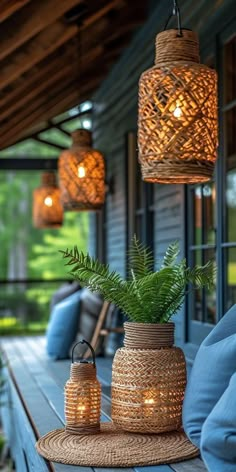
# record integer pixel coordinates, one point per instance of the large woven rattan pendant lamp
(82, 174)
(177, 124)
(47, 208)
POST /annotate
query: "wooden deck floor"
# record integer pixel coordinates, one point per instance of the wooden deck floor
(38, 383)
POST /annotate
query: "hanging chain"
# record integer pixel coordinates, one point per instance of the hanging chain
(79, 61)
(175, 12)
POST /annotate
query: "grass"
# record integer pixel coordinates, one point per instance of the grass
(12, 326)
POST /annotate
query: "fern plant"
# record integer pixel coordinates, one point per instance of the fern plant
(147, 296)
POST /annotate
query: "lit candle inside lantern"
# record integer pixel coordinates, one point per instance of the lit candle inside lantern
(82, 397)
(81, 172)
(149, 401)
(48, 201)
(177, 111)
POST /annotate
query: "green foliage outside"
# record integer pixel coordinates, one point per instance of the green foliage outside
(27, 252)
(147, 296)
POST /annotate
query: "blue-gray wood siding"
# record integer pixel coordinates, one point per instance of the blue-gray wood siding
(116, 113)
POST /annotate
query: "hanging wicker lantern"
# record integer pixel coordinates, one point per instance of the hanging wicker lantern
(82, 397)
(148, 380)
(82, 174)
(47, 208)
(177, 125)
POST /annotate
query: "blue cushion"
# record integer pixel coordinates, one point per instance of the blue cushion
(63, 326)
(214, 365)
(218, 439)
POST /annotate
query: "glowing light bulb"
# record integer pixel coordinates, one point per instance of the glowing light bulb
(81, 172)
(177, 112)
(81, 408)
(149, 401)
(48, 201)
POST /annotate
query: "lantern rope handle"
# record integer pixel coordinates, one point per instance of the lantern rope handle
(175, 12)
(90, 347)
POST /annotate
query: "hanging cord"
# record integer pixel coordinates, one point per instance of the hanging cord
(175, 12)
(79, 61)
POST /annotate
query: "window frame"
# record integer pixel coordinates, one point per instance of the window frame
(196, 331)
(146, 210)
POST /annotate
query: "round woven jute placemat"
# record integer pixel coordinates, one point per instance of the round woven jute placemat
(115, 448)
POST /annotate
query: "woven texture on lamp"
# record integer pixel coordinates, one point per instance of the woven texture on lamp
(177, 124)
(148, 380)
(47, 208)
(82, 397)
(82, 174)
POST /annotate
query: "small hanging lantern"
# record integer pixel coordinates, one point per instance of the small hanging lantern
(82, 397)
(82, 174)
(177, 125)
(47, 208)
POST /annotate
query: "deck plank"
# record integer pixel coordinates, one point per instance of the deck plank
(193, 465)
(35, 401)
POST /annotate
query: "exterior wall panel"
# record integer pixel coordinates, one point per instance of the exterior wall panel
(116, 113)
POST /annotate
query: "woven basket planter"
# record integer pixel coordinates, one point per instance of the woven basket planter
(81, 174)
(148, 380)
(177, 124)
(47, 208)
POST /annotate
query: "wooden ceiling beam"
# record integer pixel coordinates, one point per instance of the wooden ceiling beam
(44, 44)
(44, 77)
(8, 7)
(32, 19)
(30, 82)
(48, 110)
(26, 100)
(30, 107)
(60, 107)
(42, 85)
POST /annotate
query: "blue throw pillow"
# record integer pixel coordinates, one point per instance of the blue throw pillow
(214, 365)
(218, 439)
(63, 326)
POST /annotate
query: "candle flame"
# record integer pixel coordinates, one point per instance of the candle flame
(149, 401)
(81, 172)
(48, 201)
(81, 408)
(177, 112)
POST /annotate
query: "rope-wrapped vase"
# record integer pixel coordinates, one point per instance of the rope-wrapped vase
(47, 208)
(177, 123)
(148, 380)
(82, 174)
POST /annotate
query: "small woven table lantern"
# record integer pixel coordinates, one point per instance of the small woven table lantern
(82, 174)
(47, 208)
(177, 125)
(82, 396)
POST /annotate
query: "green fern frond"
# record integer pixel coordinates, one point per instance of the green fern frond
(148, 297)
(140, 259)
(201, 276)
(171, 254)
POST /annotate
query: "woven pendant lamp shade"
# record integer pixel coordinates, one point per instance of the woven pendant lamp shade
(47, 208)
(82, 174)
(177, 125)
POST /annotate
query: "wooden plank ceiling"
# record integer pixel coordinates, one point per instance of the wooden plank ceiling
(54, 54)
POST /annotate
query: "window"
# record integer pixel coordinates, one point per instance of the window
(211, 208)
(140, 197)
